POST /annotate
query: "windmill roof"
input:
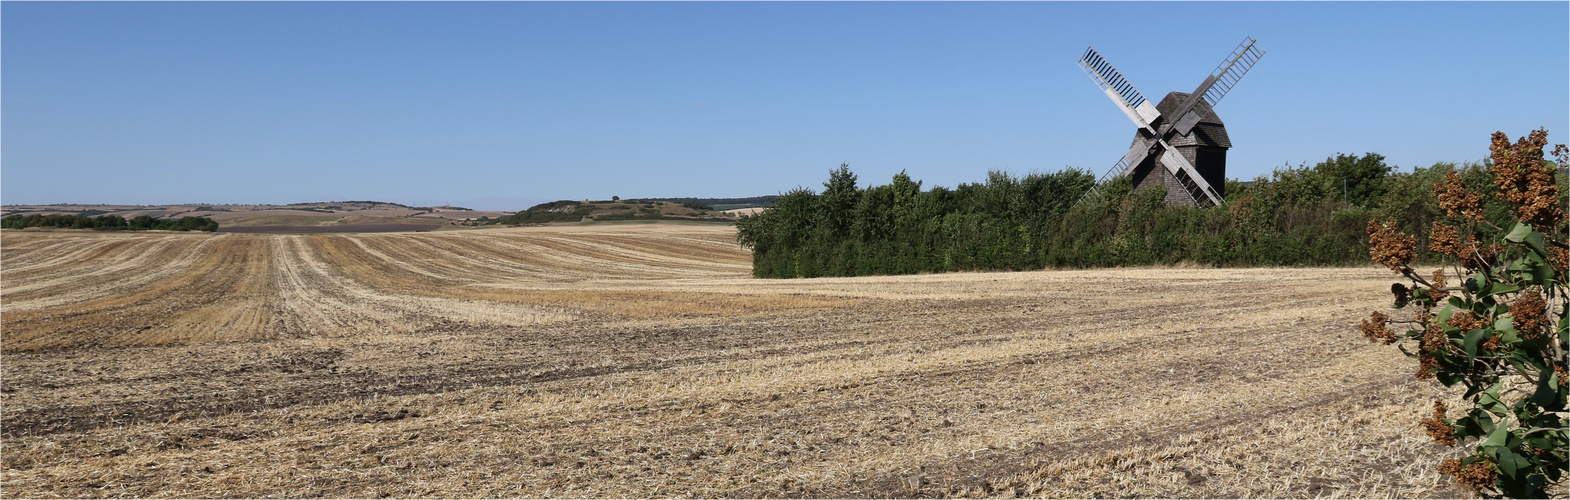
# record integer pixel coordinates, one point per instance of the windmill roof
(1209, 132)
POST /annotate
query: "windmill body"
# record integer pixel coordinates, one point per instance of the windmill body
(1180, 143)
(1204, 147)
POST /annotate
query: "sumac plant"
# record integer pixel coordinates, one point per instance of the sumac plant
(1495, 324)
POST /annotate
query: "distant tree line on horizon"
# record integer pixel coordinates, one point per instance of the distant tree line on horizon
(1295, 216)
(615, 209)
(109, 223)
(719, 203)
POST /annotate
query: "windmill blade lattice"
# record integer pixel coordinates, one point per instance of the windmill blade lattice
(1232, 69)
(1122, 93)
(1215, 86)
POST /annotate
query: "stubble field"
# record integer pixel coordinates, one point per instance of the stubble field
(616, 361)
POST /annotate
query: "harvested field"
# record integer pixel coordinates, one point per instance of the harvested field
(642, 360)
(364, 227)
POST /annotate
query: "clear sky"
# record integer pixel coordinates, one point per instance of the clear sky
(502, 105)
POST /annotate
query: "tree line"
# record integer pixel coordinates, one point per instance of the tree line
(1305, 215)
(109, 222)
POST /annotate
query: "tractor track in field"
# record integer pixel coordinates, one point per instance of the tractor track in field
(316, 381)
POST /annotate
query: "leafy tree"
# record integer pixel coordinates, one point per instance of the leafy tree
(1360, 180)
(839, 200)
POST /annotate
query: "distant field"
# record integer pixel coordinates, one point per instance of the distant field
(297, 214)
(368, 227)
(642, 360)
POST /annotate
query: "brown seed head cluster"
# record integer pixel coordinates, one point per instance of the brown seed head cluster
(1434, 339)
(1525, 180)
(1559, 258)
(1436, 294)
(1492, 344)
(1450, 467)
(1464, 321)
(1479, 476)
(1444, 239)
(1389, 247)
(1375, 328)
(1436, 427)
(1528, 314)
(1457, 200)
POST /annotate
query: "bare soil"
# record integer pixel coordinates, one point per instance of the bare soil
(642, 360)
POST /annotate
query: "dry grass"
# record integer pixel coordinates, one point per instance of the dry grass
(641, 360)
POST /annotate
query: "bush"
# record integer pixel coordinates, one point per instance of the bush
(556, 211)
(109, 222)
(1297, 216)
(1500, 329)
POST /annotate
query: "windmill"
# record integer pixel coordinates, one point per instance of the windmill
(1180, 142)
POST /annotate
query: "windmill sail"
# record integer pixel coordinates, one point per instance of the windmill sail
(1220, 81)
(1187, 175)
(1117, 88)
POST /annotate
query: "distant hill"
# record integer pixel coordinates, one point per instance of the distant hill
(615, 210)
(312, 214)
(723, 203)
(355, 215)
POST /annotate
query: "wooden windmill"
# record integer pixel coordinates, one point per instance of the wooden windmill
(1180, 142)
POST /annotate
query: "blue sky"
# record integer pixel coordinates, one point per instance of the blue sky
(502, 105)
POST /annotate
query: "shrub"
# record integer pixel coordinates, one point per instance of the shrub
(108, 222)
(1311, 215)
(1496, 325)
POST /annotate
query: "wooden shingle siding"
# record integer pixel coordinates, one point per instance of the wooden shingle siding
(1205, 147)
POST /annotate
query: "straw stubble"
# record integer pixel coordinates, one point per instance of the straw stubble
(624, 361)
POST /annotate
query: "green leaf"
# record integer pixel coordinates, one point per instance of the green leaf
(1505, 324)
(1489, 400)
(1447, 378)
(1534, 240)
(1470, 342)
(1547, 393)
(1518, 232)
(1509, 462)
(1497, 438)
(1496, 289)
(1478, 423)
(1530, 486)
(1515, 362)
(1444, 314)
(1542, 274)
(1477, 284)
